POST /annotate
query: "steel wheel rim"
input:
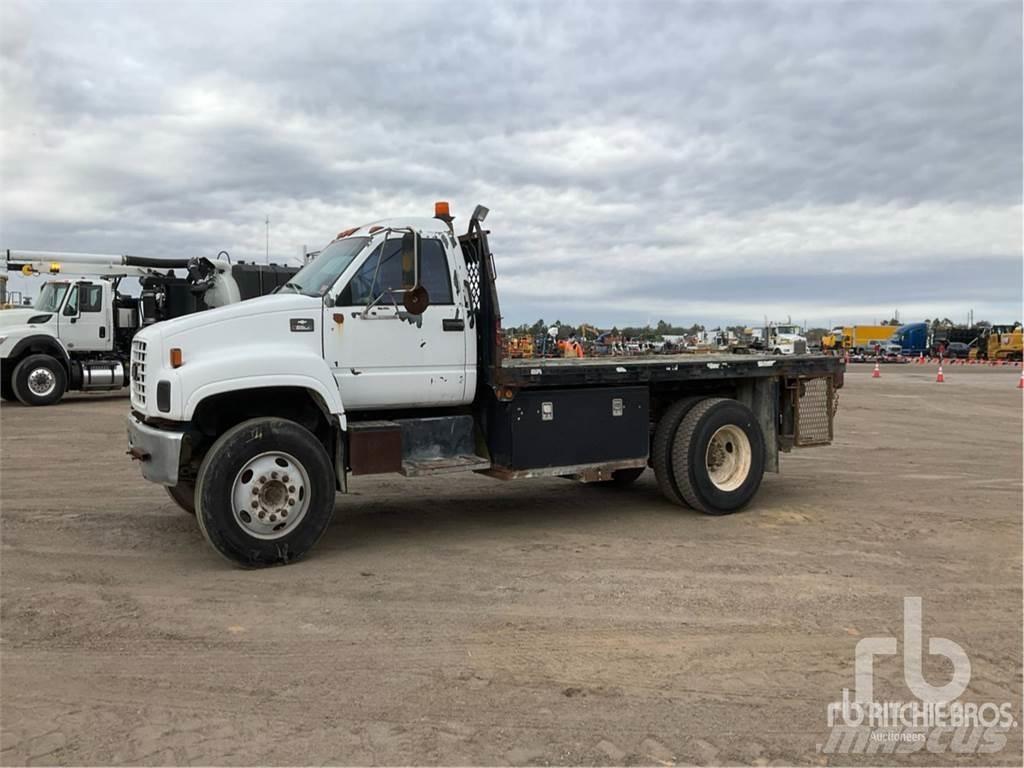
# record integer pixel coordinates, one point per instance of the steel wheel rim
(41, 382)
(728, 458)
(270, 495)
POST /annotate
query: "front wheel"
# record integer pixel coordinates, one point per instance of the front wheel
(718, 456)
(39, 380)
(265, 493)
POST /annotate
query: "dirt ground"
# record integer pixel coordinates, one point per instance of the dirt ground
(470, 621)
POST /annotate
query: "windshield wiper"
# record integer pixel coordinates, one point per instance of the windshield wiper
(296, 286)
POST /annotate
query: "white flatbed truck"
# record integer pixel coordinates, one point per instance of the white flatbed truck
(384, 355)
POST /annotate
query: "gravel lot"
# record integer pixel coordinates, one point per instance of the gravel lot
(470, 621)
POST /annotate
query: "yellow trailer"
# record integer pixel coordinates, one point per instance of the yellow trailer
(862, 338)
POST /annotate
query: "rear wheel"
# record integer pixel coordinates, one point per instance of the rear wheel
(265, 492)
(184, 495)
(6, 384)
(39, 380)
(718, 456)
(661, 448)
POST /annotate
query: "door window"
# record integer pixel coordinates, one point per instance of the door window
(71, 308)
(380, 273)
(373, 279)
(90, 297)
(434, 268)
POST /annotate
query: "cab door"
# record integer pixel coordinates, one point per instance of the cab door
(383, 356)
(84, 323)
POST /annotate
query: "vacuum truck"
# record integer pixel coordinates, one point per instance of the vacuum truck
(78, 334)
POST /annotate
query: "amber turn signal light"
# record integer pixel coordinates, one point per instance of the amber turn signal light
(175, 357)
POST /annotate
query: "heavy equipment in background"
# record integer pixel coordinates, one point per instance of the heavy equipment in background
(78, 334)
(999, 342)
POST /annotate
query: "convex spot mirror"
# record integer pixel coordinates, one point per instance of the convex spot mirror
(415, 297)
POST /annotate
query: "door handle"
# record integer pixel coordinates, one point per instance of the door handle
(453, 324)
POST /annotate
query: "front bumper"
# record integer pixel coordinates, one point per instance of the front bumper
(157, 450)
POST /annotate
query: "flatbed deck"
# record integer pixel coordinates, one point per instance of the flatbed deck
(622, 369)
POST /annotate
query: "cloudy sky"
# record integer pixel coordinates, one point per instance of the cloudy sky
(698, 162)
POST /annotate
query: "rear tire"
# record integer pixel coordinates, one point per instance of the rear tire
(265, 493)
(6, 381)
(661, 448)
(184, 495)
(718, 456)
(39, 380)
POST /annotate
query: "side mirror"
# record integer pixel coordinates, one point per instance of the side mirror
(415, 299)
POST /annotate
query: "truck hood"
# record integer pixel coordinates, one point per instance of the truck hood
(263, 305)
(14, 317)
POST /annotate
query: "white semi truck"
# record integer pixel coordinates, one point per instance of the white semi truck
(384, 355)
(78, 334)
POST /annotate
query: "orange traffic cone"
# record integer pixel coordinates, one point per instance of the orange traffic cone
(939, 378)
(876, 374)
(1020, 384)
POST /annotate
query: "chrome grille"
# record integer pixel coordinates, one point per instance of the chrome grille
(138, 372)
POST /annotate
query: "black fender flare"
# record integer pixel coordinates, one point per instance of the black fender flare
(43, 344)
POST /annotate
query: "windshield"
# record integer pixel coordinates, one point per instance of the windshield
(51, 296)
(317, 277)
(792, 329)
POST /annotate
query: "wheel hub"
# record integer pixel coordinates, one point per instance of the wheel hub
(270, 495)
(728, 458)
(41, 381)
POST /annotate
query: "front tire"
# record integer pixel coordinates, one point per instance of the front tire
(265, 493)
(39, 380)
(718, 456)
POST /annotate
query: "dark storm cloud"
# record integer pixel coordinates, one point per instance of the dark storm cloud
(696, 160)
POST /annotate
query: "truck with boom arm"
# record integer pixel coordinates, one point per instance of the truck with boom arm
(385, 355)
(78, 334)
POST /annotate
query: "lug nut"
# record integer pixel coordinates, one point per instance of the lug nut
(255, 491)
(263, 478)
(262, 514)
(284, 478)
(255, 504)
(291, 489)
(273, 475)
(284, 513)
(273, 518)
(291, 502)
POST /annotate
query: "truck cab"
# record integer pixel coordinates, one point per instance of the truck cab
(381, 355)
(70, 319)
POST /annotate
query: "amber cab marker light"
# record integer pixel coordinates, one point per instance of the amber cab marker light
(441, 209)
(175, 357)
